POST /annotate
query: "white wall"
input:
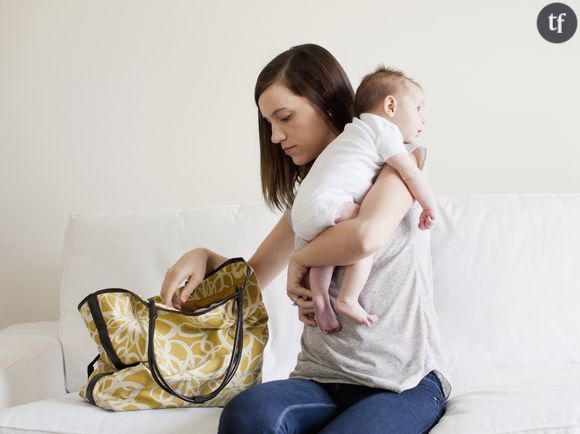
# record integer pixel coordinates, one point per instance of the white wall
(125, 105)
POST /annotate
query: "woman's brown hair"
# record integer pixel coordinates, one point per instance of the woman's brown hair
(312, 72)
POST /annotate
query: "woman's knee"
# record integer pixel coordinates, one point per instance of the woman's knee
(277, 407)
(248, 412)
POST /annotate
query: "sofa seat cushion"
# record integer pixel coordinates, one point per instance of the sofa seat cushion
(510, 401)
(514, 401)
(68, 414)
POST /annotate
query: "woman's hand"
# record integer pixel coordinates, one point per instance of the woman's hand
(191, 266)
(306, 315)
(300, 296)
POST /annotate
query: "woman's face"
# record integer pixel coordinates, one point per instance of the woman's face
(297, 127)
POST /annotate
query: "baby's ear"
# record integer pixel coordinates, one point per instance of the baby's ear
(390, 105)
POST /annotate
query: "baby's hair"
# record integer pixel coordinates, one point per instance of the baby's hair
(377, 85)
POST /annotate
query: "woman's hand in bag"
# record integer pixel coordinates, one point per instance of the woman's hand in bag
(192, 266)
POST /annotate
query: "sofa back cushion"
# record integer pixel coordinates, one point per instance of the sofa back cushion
(507, 281)
(134, 250)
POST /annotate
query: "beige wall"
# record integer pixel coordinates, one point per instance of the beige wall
(139, 105)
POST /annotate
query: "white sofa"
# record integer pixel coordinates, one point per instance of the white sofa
(507, 292)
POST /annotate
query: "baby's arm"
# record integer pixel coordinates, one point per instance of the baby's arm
(346, 211)
(417, 183)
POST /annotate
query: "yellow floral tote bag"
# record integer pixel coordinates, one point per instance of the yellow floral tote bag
(153, 356)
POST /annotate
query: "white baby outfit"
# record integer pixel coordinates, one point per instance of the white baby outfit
(344, 172)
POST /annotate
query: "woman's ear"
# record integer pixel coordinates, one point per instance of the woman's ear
(390, 106)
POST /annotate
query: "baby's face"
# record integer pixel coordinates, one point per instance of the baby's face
(410, 113)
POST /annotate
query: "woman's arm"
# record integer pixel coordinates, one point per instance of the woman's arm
(273, 253)
(348, 242)
(270, 258)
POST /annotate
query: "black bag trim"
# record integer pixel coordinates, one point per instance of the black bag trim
(234, 360)
(92, 384)
(103, 332)
(225, 264)
(101, 291)
(146, 302)
(91, 366)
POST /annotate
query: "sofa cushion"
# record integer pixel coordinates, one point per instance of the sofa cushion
(540, 400)
(70, 414)
(31, 365)
(510, 401)
(506, 281)
(134, 250)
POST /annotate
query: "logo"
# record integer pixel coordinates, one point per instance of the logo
(557, 23)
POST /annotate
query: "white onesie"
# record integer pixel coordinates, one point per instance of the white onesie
(344, 172)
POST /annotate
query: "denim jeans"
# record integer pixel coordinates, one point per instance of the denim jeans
(304, 406)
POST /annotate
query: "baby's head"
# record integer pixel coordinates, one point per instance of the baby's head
(391, 94)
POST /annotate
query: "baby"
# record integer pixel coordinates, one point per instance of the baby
(389, 116)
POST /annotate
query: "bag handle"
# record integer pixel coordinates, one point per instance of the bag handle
(234, 360)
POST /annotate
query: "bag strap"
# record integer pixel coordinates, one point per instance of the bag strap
(91, 386)
(91, 366)
(234, 360)
(101, 327)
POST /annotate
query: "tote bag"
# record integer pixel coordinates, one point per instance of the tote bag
(154, 356)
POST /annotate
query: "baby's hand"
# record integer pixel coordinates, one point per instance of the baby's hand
(346, 212)
(427, 219)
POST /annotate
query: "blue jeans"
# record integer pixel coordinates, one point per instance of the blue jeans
(303, 406)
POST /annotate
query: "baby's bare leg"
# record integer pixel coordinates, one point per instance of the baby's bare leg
(355, 277)
(319, 278)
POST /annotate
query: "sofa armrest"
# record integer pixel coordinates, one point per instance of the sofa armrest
(31, 363)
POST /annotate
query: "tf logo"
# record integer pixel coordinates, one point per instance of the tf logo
(557, 22)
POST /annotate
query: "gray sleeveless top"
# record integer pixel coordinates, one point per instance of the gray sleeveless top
(404, 345)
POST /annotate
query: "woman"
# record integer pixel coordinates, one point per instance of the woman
(385, 378)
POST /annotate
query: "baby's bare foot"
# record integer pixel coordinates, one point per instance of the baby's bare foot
(325, 316)
(355, 311)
